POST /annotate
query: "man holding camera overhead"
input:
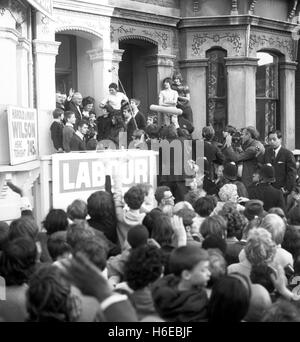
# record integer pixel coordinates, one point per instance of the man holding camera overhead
(247, 154)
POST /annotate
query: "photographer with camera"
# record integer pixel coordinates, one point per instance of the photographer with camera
(248, 154)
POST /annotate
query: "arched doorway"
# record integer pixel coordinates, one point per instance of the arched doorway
(134, 73)
(74, 66)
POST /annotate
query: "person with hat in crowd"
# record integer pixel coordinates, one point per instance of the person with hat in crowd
(254, 208)
(230, 177)
(265, 191)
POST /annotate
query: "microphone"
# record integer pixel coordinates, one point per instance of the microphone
(111, 69)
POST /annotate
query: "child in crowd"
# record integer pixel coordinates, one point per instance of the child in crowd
(68, 130)
(181, 296)
(56, 129)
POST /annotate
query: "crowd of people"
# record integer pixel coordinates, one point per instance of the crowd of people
(226, 248)
(75, 126)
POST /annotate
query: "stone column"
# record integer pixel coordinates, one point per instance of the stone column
(158, 68)
(8, 85)
(287, 103)
(23, 48)
(45, 53)
(194, 74)
(241, 85)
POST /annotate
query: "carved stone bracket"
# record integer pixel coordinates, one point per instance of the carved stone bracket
(218, 38)
(252, 7)
(23, 43)
(293, 10)
(234, 7)
(269, 41)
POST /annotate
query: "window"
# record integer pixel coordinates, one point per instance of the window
(216, 91)
(267, 94)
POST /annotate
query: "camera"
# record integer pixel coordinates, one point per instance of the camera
(237, 138)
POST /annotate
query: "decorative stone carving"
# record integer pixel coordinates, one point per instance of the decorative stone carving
(271, 41)
(234, 7)
(18, 10)
(160, 60)
(93, 24)
(163, 3)
(149, 33)
(293, 10)
(196, 6)
(252, 7)
(45, 47)
(217, 38)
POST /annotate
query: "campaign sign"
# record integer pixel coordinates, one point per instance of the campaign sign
(22, 132)
(78, 175)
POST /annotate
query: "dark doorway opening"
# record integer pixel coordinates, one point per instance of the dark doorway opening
(135, 75)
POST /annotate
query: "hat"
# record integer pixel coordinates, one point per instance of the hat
(254, 208)
(267, 173)
(137, 236)
(230, 171)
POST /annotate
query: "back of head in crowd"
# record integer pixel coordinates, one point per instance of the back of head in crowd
(276, 226)
(236, 222)
(186, 258)
(55, 221)
(137, 236)
(18, 260)
(261, 274)
(260, 248)
(94, 249)
(78, 231)
(254, 208)
(77, 210)
(49, 296)
(57, 246)
(204, 206)
(100, 205)
(23, 227)
(134, 197)
(215, 242)
(143, 267)
(57, 113)
(230, 299)
(162, 230)
(294, 216)
(214, 225)
(217, 266)
(282, 311)
(160, 194)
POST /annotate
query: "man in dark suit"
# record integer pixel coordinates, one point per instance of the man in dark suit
(77, 142)
(283, 162)
(264, 191)
(75, 106)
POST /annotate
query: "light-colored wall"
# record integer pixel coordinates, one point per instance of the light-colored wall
(84, 68)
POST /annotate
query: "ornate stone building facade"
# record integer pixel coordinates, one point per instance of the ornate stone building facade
(239, 59)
